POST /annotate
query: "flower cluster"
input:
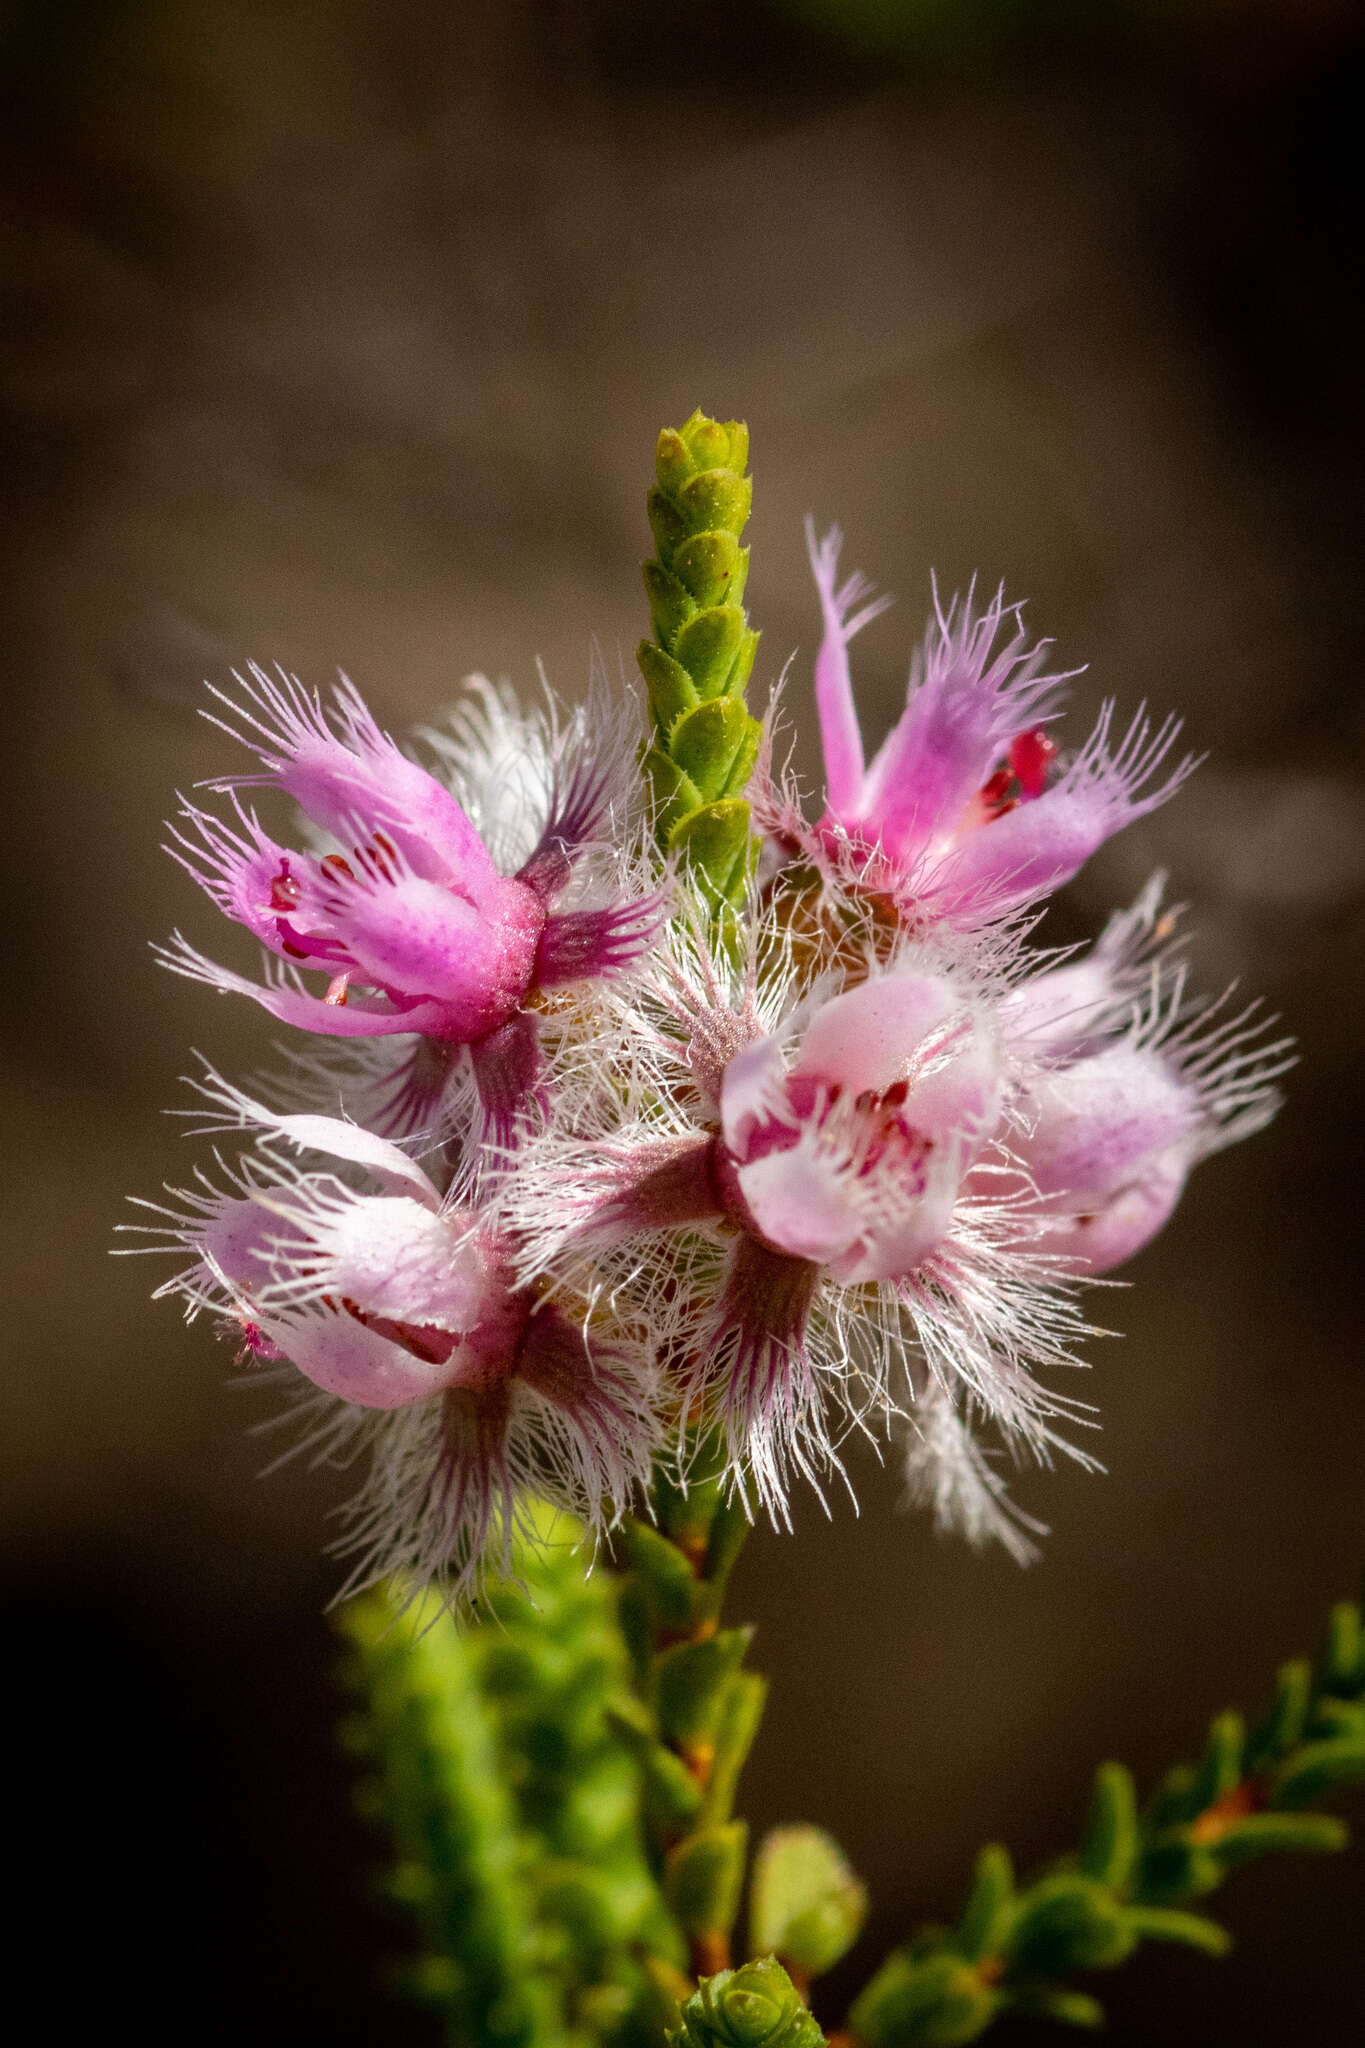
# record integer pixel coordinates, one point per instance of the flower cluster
(572, 1168)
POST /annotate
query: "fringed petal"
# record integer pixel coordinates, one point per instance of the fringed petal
(360, 775)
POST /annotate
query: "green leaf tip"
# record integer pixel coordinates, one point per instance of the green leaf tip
(805, 1903)
(701, 653)
(985, 1917)
(1109, 1849)
(1069, 1922)
(1135, 1873)
(757, 2006)
(923, 2001)
(703, 1879)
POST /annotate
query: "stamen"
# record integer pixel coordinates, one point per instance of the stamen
(1031, 755)
(285, 890)
(994, 795)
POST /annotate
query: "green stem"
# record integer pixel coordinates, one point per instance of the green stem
(696, 1711)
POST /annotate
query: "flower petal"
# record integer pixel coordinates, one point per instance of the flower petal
(839, 733)
(867, 1037)
(360, 777)
(965, 704)
(753, 1094)
(1096, 1124)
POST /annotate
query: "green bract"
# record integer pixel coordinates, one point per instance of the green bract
(699, 659)
(805, 1904)
(514, 1810)
(756, 2007)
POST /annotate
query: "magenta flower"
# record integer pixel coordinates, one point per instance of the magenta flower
(967, 808)
(414, 927)
(402, 1309)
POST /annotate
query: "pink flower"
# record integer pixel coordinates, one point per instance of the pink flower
(967, 809)
(852, 1157)
(403, 1310)
(1128, 1090)
(795, 1204)
(407, 916)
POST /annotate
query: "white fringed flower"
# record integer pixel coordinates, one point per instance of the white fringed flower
(796, 1190)
(399, 1311)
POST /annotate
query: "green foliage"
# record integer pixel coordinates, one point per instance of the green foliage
(704, 1879)
(702, 651)
(432, 1744)
(514, 1809)
(756, 2007)
(1134, 1875)
(805, 1903)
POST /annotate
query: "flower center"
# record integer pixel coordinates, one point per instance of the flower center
(1023, 776)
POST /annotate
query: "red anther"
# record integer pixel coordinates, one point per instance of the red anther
(338, 865)
(256, 1348)
(338, 989)
(385, 856)
(284, 890)
(994, 794)
(807, 1094)
(1031, 755)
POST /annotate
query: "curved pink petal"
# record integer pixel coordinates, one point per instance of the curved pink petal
(799, 1200)
(1032, 850)
(1105, 1232)
(1097, 1123)
(966, 703)
(242, 1243)
(358, 779)
(753, 1095)
(241, 869)
(958, 1102)
(417, 939)
(394, 1258)
(1038, 845)
(867, 1037)
(1053, 1013)
(839, 732)
(390, 1166)
(342, 1355)
(341, 1014)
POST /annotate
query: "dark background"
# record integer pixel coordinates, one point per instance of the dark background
(340, 335)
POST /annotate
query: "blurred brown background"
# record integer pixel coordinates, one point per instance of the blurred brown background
(340, 335)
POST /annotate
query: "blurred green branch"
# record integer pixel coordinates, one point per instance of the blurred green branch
(1135, 1875)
